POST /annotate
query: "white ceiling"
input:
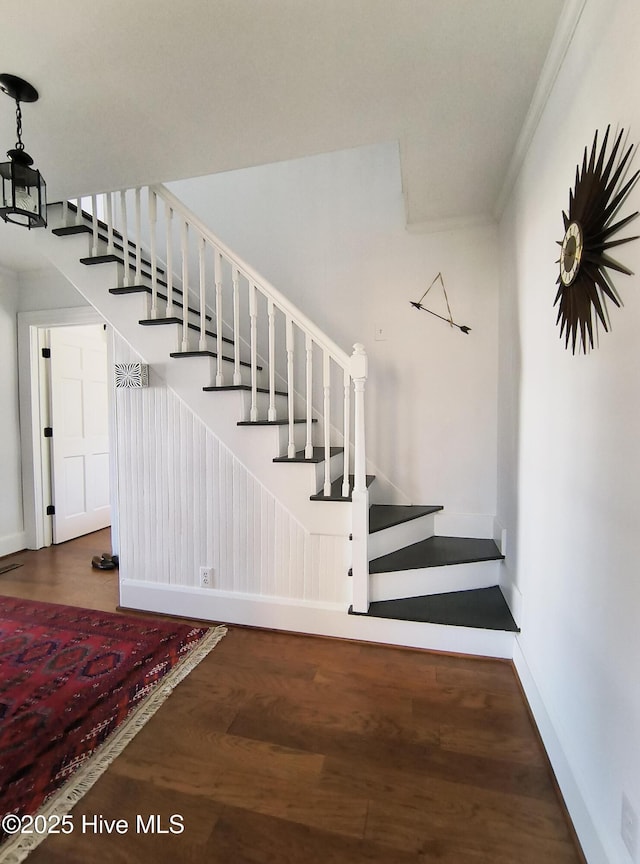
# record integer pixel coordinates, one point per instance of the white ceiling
(140, 91)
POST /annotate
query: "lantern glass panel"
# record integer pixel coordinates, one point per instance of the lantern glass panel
(24, 195)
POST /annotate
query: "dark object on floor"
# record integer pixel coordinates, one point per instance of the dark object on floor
(7, 567)
(99, 562)
(110, 558)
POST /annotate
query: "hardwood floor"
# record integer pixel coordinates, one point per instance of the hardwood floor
(299, 750)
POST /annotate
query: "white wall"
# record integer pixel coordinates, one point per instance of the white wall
(11, 525)
(46, 288)
(328, 231)
(568, 451)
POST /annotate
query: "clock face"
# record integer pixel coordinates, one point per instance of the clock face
(584, 281)
(571, 253)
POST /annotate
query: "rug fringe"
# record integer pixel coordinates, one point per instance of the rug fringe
(16, 849)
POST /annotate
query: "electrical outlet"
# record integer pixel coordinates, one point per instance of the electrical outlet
(629, 827)
(380, 333)
(206, 577)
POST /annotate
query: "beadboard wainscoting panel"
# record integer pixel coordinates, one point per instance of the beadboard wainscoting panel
(186, 502)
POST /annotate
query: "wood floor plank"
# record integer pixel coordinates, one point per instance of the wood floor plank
(520, 748)
(242, 837)
(292, 799)
(414, 827)
(115, 797)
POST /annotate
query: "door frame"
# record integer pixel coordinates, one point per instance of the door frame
(31, 327)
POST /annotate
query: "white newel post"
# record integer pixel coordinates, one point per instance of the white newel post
(360, 494)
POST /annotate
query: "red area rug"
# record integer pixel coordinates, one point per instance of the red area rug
(75, 687)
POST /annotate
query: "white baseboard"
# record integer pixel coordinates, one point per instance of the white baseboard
(511, 593)
(300, 616)
(580, 816)
(500, 536)
(13, 543)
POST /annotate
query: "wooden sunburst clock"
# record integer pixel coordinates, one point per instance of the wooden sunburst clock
(583, 282)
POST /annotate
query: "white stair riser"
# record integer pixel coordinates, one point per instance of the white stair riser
(433, 580)
(399, 536)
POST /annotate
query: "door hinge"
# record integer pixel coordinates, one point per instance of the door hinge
(46, 353)
(48, 432)
(51, 510)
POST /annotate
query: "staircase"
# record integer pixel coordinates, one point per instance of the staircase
(289, 404)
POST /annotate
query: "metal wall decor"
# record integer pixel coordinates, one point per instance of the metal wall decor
(23, 192)
(584, 284)
(131, 375)
(417, 304)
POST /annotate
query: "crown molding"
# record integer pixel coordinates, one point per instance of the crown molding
(562, 38)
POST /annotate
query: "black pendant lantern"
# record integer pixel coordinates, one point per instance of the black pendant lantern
(23, 192)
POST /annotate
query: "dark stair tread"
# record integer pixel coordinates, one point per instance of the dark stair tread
(117, 259)
(86, 227)
(318, 455)
(481, 608)
(179, 354)
(243, 387)
(437, 552)
(270, 422)
(145, 263)
(150, 322)
(336, 489)
(67, 230)
(383, 516)
(146, 289)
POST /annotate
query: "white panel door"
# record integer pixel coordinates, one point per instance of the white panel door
(80, 442)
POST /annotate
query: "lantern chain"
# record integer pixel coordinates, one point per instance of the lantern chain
(19, 144)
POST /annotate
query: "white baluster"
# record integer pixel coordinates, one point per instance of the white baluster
(253, 318)
(125, 237)
(168, 225)
(109, 221)
(65, 211)
(185, 283)
(202, 341)
(347, 432)
(308, 448)
(138, 238)
(360, 495)
(291, 446)
(218, 280)
(326, 384)
(153, 221)
(78, 211)
(94, 224)
(272, 360)
(237, 377)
